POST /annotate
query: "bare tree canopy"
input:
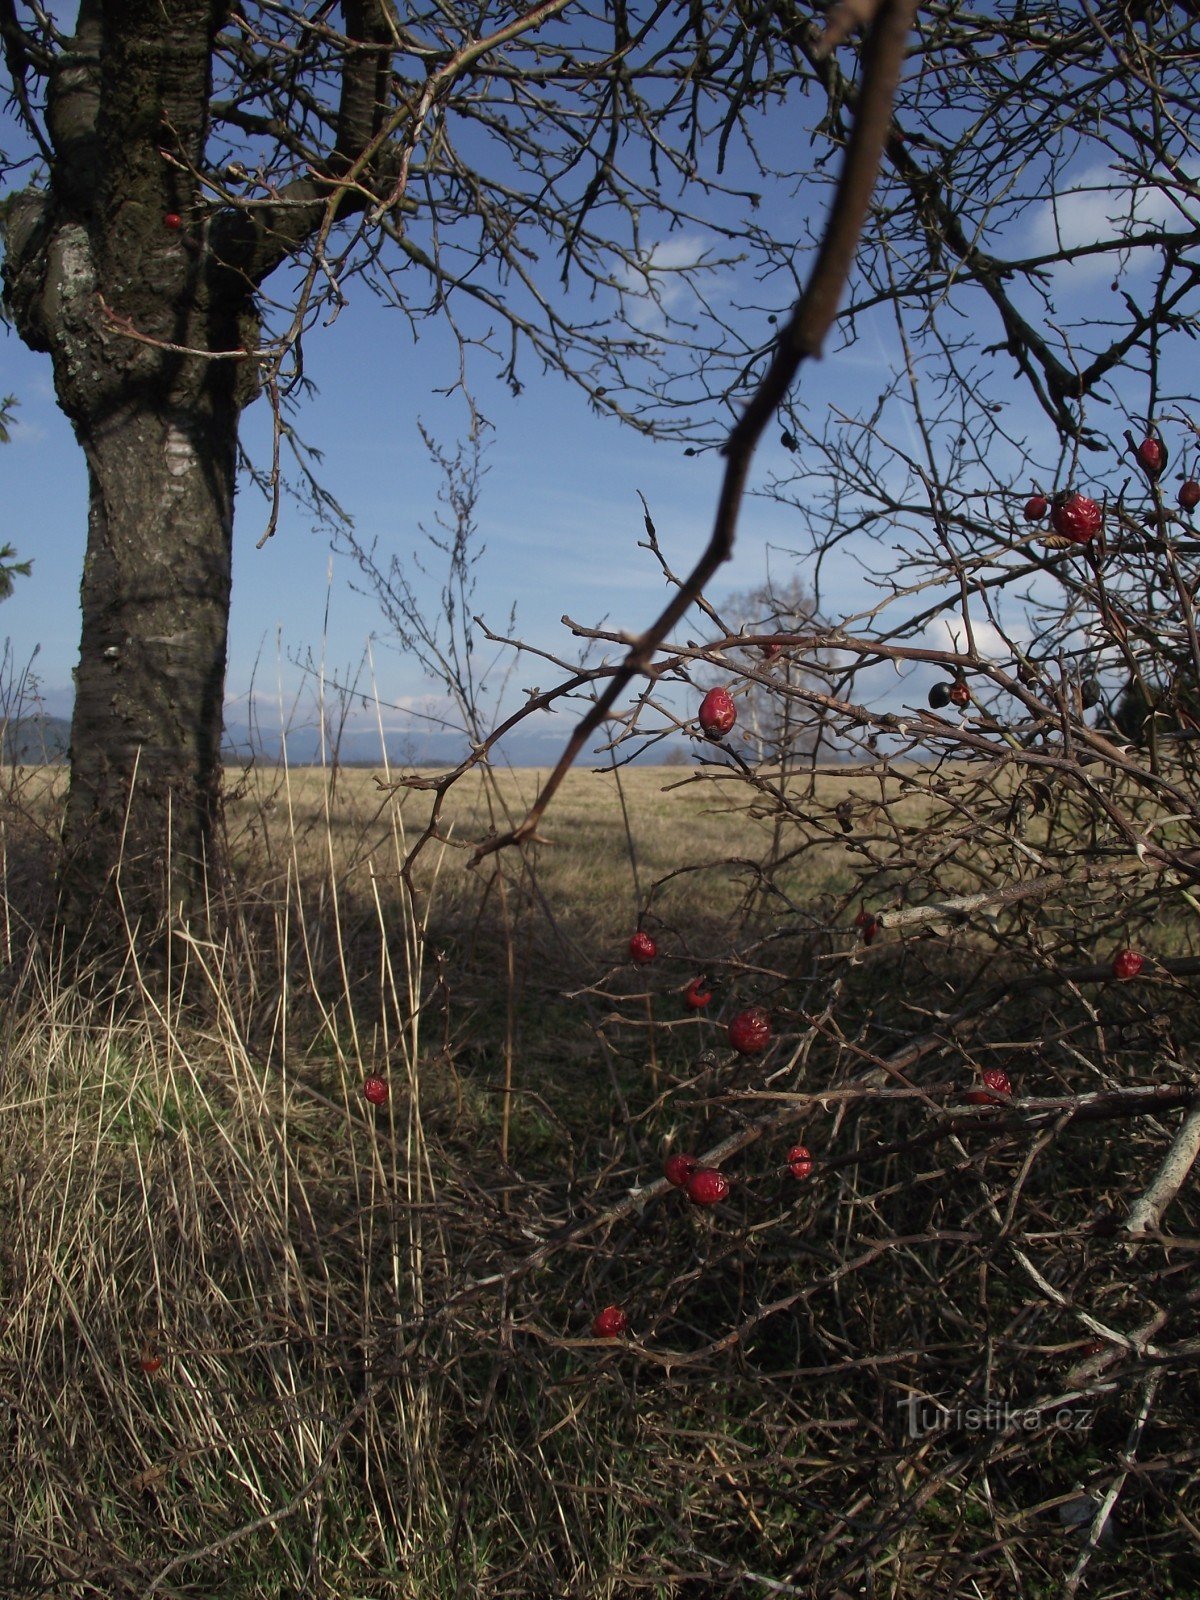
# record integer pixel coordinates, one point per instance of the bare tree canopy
(204, 182)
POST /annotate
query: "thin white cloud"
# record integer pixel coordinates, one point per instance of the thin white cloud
(657, 283)
(949, 633)
(26, 434)
(1099, 206)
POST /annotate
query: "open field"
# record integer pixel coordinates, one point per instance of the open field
(260, 1339)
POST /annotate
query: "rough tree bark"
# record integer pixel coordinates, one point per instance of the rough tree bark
(104, 271)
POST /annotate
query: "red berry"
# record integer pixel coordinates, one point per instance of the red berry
(697, 994)
(717, 713)
(750, 1031)
(1152, 454)
(1127, 964)
(1036, 508)
(706, 1186)
(151, 1361)
(867, 924)
(1189, 494)
(679, 1169)
(642, 948)
(799, 1159)
(960, 694)
(376, 1090)
(998, 1089)
(610, 1323)
(1093, 1347)
(173, 221)
(1076, 518)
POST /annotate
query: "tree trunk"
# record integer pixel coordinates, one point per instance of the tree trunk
(141, 285)
(159, 430)
(146, 733)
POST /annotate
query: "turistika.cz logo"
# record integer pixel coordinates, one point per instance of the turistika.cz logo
(927, 1415)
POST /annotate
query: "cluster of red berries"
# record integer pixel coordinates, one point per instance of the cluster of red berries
(1073, 516)
(749, 1031)
(704, 1186)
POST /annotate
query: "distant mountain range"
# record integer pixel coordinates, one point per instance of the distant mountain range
(39, 740)
(35, 741)
(361, 747)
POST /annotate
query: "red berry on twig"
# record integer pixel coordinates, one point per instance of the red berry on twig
(1189, 494)
(1152, 455)
(960, 695)
(609, 1323)
(750, 1031)
(799, 1159)
(1036, 508)
(697, 994)
(706, 1186)
(717, 713)
(997, 1089)
(1076, 518)
(642, 948)
(173, 221)
(679, 1169)
(1127, 964)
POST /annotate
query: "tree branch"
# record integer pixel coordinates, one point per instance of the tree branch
(803, 337)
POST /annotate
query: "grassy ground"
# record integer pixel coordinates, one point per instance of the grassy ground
(262, 1340)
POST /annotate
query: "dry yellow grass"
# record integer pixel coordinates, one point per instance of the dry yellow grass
(609, 838)
(338, 1410)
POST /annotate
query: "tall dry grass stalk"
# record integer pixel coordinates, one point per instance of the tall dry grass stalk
(210, 1242)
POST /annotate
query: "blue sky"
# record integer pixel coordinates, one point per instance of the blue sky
(560, 514)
